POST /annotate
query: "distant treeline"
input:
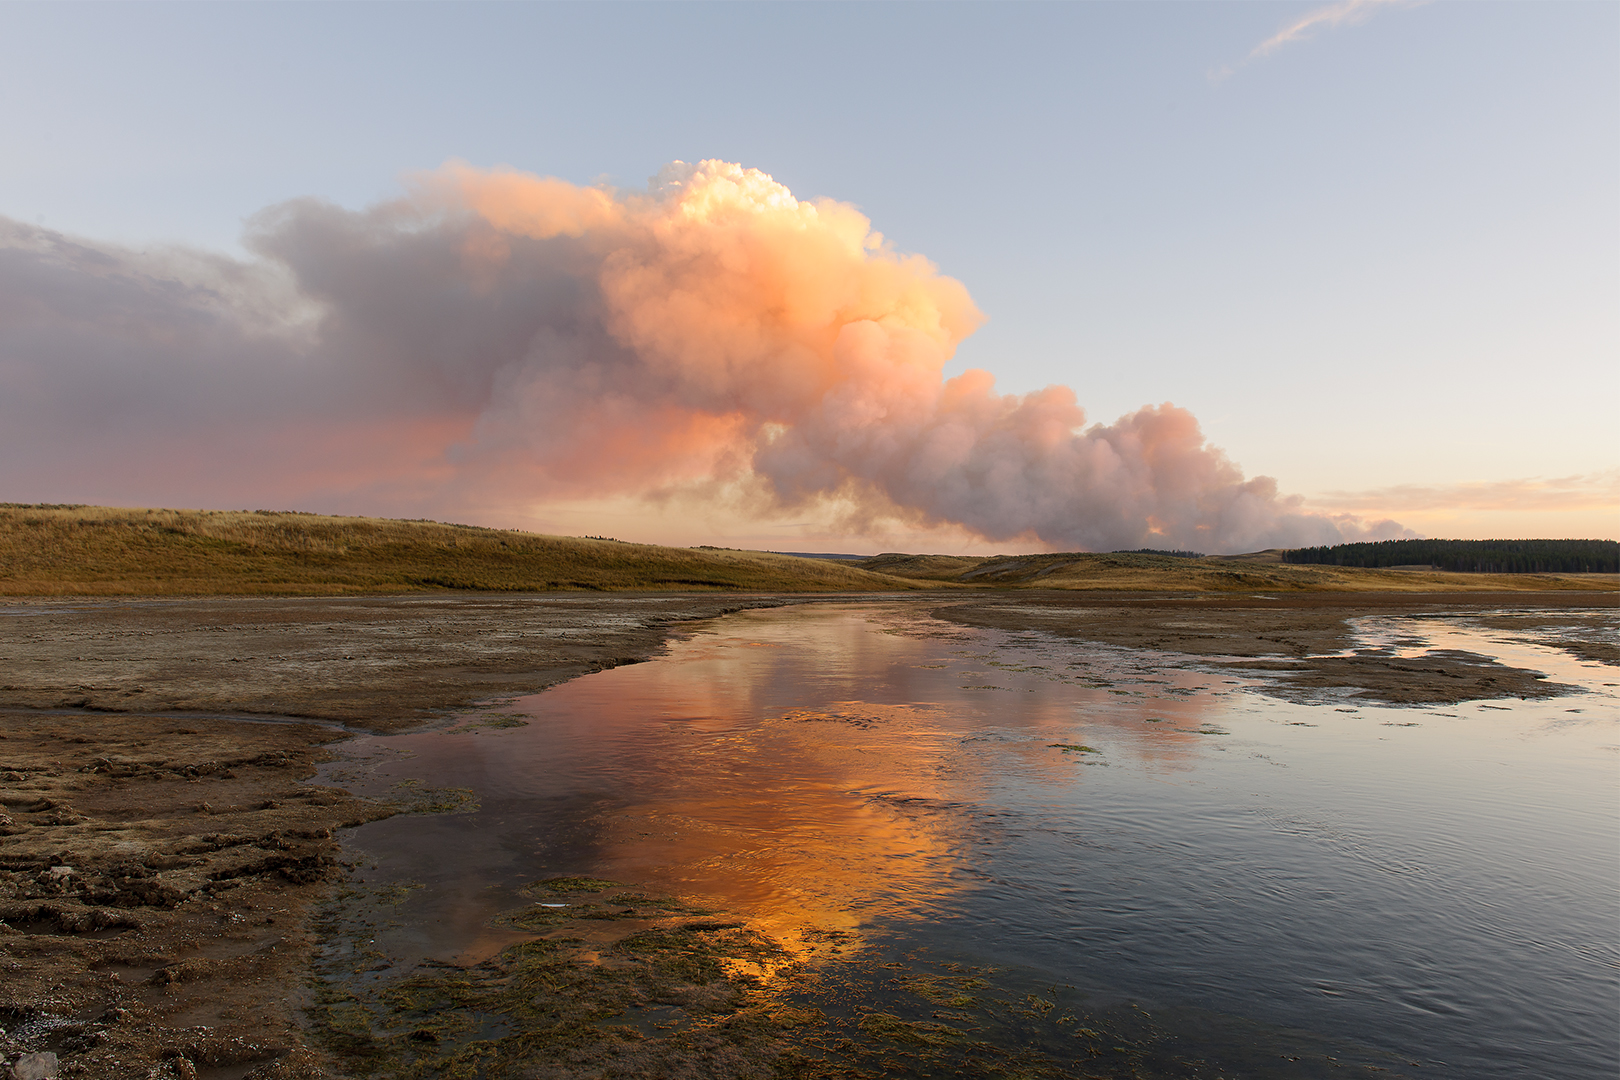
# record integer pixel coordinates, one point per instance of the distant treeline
(1479, 556)
(1161, 551)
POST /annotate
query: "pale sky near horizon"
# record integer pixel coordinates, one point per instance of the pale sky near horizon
(1373, 247)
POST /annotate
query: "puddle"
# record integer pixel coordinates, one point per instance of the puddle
(1428, 887)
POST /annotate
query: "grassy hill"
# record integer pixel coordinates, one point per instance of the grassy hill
(102, 551)
(1264, 570)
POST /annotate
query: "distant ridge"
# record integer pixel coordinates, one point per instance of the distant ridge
(105, 551)
(1139, 571)
(822, 555)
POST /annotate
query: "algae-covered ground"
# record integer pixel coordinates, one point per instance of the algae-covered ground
(619, 983)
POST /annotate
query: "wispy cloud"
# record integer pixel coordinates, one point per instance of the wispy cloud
(1331, 17)
(1598, 490)
(1345, 13)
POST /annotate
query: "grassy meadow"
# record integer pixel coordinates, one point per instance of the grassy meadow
(101, 551)
(104, 551)
(1264, 571)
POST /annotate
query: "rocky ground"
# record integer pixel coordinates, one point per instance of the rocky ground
(156, 878)
(162, 859)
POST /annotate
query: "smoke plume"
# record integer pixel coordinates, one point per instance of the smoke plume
(494, 339)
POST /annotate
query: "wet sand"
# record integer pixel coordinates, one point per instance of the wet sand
(160, 862)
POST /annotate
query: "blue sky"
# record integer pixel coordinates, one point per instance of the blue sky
(1380, 262)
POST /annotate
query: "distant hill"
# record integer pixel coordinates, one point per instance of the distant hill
(1473, 556)
(822, 555)
(1128, 570)
(101, 551)
(1184, 571)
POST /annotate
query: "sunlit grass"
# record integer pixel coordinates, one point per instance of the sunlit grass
(1260, 572)
(102, 551)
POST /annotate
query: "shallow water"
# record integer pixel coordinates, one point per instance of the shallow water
(1433, 886)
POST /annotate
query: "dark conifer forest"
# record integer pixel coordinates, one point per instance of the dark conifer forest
(1479, 556)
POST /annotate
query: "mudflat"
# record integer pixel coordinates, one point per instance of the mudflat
(1307, 642)
(380, 663)
(161, 858)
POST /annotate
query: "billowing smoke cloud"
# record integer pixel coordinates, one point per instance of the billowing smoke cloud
(494, 339)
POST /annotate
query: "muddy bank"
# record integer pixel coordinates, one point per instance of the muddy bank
(391, 663)
(156, 878)
(1304, 644)
(378, 663)
(158, 873)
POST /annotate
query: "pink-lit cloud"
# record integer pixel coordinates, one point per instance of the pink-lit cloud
(1304, 27)
(1330, 16)
(496, 340)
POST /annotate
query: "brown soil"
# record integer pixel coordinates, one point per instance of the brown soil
(155, 882)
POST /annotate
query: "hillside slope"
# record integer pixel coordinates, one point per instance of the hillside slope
(102, 551)
(1129, 571)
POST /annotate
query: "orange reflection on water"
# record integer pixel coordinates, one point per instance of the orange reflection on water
(820, 768)
(796, 826)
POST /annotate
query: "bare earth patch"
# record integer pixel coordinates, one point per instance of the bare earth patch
(156, 879)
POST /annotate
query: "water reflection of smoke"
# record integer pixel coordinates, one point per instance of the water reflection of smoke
(815, 772)
(813, 821)
(835, 771)
(819, 772)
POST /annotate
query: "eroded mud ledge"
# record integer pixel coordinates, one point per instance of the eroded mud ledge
(1303, 644)
(160, 857)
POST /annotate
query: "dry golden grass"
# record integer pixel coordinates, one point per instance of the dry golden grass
(1244, 573)
(101, 551)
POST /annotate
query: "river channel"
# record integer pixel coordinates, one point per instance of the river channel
(1271, 886)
